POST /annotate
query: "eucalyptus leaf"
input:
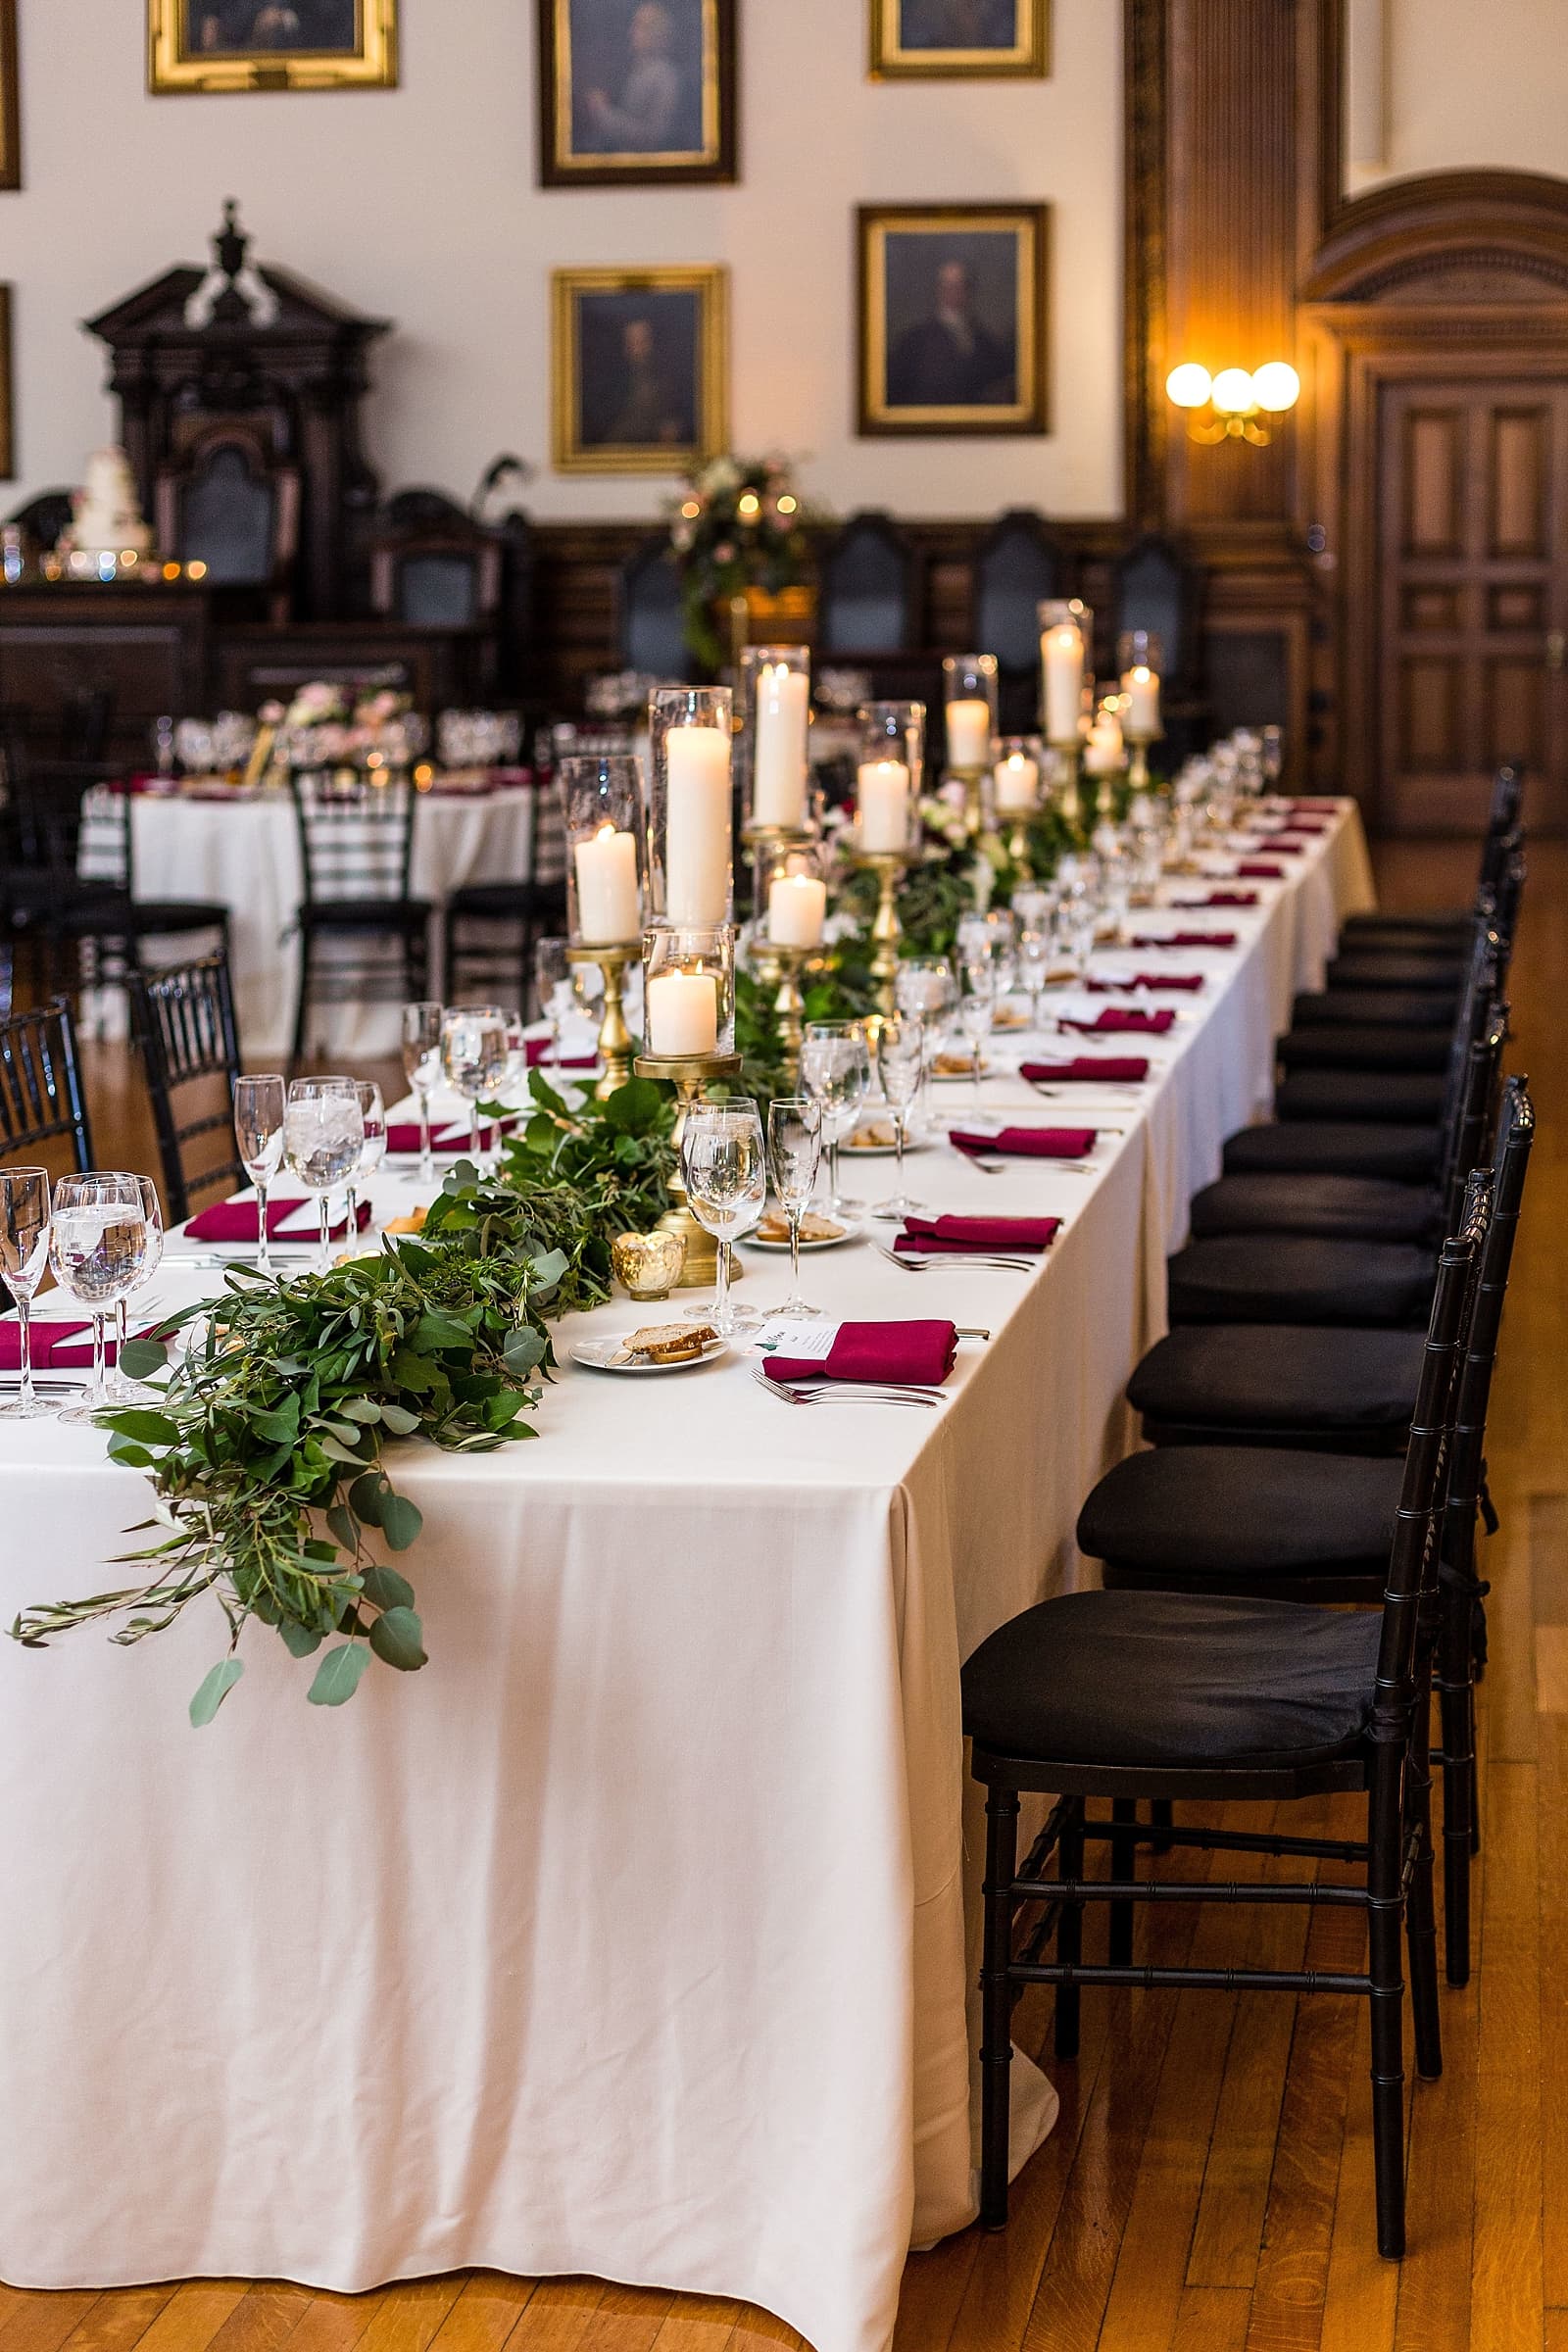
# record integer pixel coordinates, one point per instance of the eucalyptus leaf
(141, 1359)
(398, 1637)
(301, 1641)
(401, 1520)
(384, 1588)
(337, 1677)
(215, 1688)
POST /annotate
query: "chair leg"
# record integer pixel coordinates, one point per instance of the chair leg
(995, 1992)
(1456, 1720)
(1123, 1865)
(1162, 1814)
(1420, 1920)
(302, 1006)
(1388, 1996)
(1069, 1926)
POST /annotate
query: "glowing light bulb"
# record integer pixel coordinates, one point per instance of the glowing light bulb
(1188, 387)
(1276, 386)
(787, 504)
(1232, 393)
(749, 504)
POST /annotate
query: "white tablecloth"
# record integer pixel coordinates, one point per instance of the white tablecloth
(629, 1936)
(246, 856)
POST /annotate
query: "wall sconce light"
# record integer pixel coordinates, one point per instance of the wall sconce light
(1235, 399)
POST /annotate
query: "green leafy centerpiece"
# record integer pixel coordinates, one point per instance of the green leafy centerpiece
(740, 528)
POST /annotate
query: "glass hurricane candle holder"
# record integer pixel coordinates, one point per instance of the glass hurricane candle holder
(1066, 639)
(788, 937)
(890, 778)
(602, 811)
(688, 991)
(969, 715)
(1016, 792)
(690, 810)
(775, 723)
(1140, 658)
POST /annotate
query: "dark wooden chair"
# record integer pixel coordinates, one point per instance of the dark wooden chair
(492, 926)
(183, 1021)
(363, 938)
(43, 520)
(1153, 587)
(652, 617)
(41, 1097)
(869, 591)
(433, 566)
(1016, 568)
(230, 504)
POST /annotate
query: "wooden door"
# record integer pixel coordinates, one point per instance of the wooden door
(1472, 597)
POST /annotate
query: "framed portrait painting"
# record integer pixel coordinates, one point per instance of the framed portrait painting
(8, 433)
(937, 39)
(952, 328)
(272, 44)
(640, 368)
(10, 99)
(636, 91)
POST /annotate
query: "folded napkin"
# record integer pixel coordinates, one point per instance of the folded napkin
(1218, 898)
(539, 1050)
(1257, 870)
(1103, 1069)
(237, 1221)
(877, 1351)
(1315, 826)
(1116, 1021)
(1188, 939)
(1029, 1142)
(1283, 843)
(929, 1236)
(1150, 980)
(403, 1137)
(56, 1347)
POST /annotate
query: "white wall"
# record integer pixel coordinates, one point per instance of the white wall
(419, 205)
(1463, 86)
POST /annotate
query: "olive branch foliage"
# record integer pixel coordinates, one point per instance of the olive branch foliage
(265, 1448)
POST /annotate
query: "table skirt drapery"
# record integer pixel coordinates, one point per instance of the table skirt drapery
(630, 1935)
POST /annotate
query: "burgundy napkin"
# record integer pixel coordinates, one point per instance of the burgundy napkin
(1116, 1021)
(1188, 939)
(402, 1139)
(1257, 870)
(1219, 898)
(1315, 826)
(538, 1050)
(1281, 842)
(237, 1221)
(877, 1351)
(1152, 980)
(926, 1237)
(1104, 1070)
(58, 1347)
(1029, 1142)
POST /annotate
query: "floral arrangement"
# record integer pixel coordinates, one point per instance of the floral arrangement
(326, 727)
(739, 523)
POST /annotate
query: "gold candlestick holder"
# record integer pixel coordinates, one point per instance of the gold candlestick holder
(1137, 767)
(615, 1040)
(973, 781)
(886, 929)
(689, 1073)
(779, 969)
(1070, 754)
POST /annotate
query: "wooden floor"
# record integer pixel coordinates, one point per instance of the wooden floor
(1208, 2188)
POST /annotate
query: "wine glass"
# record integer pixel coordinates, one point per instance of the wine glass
(474, 1057)
(794, 1158)
(926, 989)
(1036, 947)
(555, 983)
(836, 1072)
(97, 1250)
(259, 1105)
(323, 1134)
(977, 1009)
(724, 1168)
(24, 1255)
(372, 1151)
(122, 1390)
(900, 1066)
(1031, 906)
(422, 1068)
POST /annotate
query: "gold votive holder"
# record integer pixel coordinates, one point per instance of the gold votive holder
(779, 971)
(615, 1040)
(688, 1074)
(648, 1265)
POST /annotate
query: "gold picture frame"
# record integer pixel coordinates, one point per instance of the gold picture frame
(954, 329)
(178, 62)
(1022, 49)
(639, 368)
(8, 424)
(697, 84)
(10, 99)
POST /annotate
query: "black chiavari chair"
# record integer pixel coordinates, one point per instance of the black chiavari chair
(362, 938)
(184, 1020)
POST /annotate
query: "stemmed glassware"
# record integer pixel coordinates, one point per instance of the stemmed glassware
(323, 1134)
(372, 1151)
(836, 1072)
(422, 1068)
(555, 980)
(1035, 948)
(24, 1255)
(97, 1250)
(977, 1010)
(926, 990)
(259, 1107)
(120, 1389)
(900, 1066)
(474, 1057)
(724, 1166)
(794, 1158)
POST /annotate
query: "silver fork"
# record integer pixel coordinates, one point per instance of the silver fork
(846, 1391)
(986, 1261)
(1002, 1167)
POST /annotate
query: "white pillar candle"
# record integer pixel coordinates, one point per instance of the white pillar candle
(969, 732)
(1140, 686)
(884, 803)
(779, 766)
(797, 907)
(1061, 650)
(1103, 753)
(683, 1013)
(1018, 780)
(697, 825)
(608, 908)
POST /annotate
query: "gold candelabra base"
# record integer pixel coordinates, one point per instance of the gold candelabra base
(973, 781)
(1070, 754)
(779, 969)
(886, 929)
(615, 1040)
(1137, 767)
(689, 1073)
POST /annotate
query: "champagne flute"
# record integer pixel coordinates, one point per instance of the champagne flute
(977, 1009)
(122, 1389)
(836, 1072)
(926, 989)
(422, 1068)
(1036, 948)
(474, 1057)
(372, 1110)
(724, 1167)
(323, 1134)
(24, 1255)
(97, 1248)
(794, 1158)
(900, 1066)
(259, 1107)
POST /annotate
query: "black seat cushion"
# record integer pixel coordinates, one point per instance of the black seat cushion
(1365, 1046)
(1272, 1384)
(502, 902)
(1386, 1097)
(1341, 1208)
(1217, 1511)
(151, 915)
(1335, 1148)
(1299, 1278)
(1173, 1679)
(1441, 924)
(367, 914)
(1387, 968)
(1400, 1008)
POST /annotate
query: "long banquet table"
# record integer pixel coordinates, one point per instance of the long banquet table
(629, 1936)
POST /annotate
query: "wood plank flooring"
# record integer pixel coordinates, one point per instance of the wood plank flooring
(1208, 2188)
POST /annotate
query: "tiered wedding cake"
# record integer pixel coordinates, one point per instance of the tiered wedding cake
(107, 517)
